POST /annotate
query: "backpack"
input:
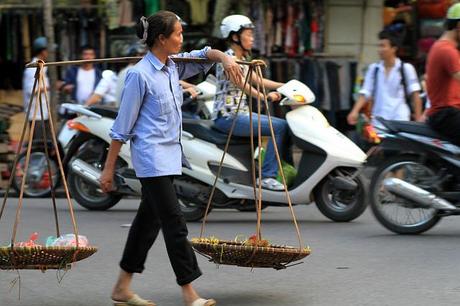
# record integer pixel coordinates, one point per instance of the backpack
(403, 82)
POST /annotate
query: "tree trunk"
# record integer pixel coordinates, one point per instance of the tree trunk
(52, 71)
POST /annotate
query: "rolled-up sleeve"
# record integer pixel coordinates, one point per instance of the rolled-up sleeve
(187, 70)
(368, 86)
(131, 101)
(413, 83)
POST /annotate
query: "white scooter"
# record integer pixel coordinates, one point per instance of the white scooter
(328, 172)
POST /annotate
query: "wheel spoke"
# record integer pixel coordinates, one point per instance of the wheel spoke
(401, 211)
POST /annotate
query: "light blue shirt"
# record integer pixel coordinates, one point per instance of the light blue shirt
(150, 114)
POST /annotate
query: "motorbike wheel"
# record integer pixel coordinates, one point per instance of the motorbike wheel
(250, 207)
(191, 211)
(38, 183)
(397, 214)
(91, 197)
(340, 205)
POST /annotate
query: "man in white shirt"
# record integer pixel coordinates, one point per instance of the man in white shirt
(385, 83)
(40, 53)
(106, 90)
(80, 81)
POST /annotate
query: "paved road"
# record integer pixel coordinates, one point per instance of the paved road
(357, 263)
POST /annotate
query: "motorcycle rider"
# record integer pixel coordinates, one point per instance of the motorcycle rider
(238, 30)
(443, 79)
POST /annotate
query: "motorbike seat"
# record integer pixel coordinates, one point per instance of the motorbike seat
(417, 128)
(203, 129)
(105, 111)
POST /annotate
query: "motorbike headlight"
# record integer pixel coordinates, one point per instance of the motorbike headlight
(299, 98)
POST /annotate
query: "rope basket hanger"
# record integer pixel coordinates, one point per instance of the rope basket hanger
(254, 252)
(15, 257)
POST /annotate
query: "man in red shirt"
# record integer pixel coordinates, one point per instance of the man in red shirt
(443, 79)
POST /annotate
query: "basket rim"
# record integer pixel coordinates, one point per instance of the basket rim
(240, 245)
(51, 248)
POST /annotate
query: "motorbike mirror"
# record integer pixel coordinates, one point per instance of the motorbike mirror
(297, 93)
(80, 109)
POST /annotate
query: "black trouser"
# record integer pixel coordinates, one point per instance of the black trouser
(447, 123)
(159, 208)
(38, 130)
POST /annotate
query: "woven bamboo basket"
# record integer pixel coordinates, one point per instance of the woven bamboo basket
(42, 258)
(238, 254)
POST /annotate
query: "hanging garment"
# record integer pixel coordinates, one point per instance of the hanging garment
(269, 30)
(332, 69)
(26, 38)
(180, 7)
(102, 40)
(151, 7)
(111, 11)
(221, 9)
(199, 9)
(326, 101)
(279, 26)
(309, 76)
(83, 29)
(289, 30)
(243, 7)
(432, 8)
(345, 84)
(257, 16)
(138, 9)
(64, 38)
(125, 11)
(9, 38)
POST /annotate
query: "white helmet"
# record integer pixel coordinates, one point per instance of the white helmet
(234, 23)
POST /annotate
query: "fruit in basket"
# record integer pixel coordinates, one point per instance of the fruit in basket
(253, 241)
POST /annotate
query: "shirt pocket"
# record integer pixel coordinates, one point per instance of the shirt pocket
(165, 103)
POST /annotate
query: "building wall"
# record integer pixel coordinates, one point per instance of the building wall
(352, 27)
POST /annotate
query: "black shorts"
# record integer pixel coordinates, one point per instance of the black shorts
(447, 123)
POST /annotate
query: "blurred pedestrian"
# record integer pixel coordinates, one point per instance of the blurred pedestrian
(80, 81)
(105, 91)
(40, 52)
(390, 86)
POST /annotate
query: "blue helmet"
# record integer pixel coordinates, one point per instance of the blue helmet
(39, 44)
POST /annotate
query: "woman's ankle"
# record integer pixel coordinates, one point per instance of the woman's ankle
(189, 294)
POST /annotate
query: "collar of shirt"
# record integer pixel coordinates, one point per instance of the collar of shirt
(397, 64)
(158, 64)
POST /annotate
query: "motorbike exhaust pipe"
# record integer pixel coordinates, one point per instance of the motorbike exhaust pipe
(411, 192)
(86, 171)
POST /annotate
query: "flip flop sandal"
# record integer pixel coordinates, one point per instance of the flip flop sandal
(135, 301)
(203, 302)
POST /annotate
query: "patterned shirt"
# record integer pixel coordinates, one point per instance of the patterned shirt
(227, 94)
(150, 114)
